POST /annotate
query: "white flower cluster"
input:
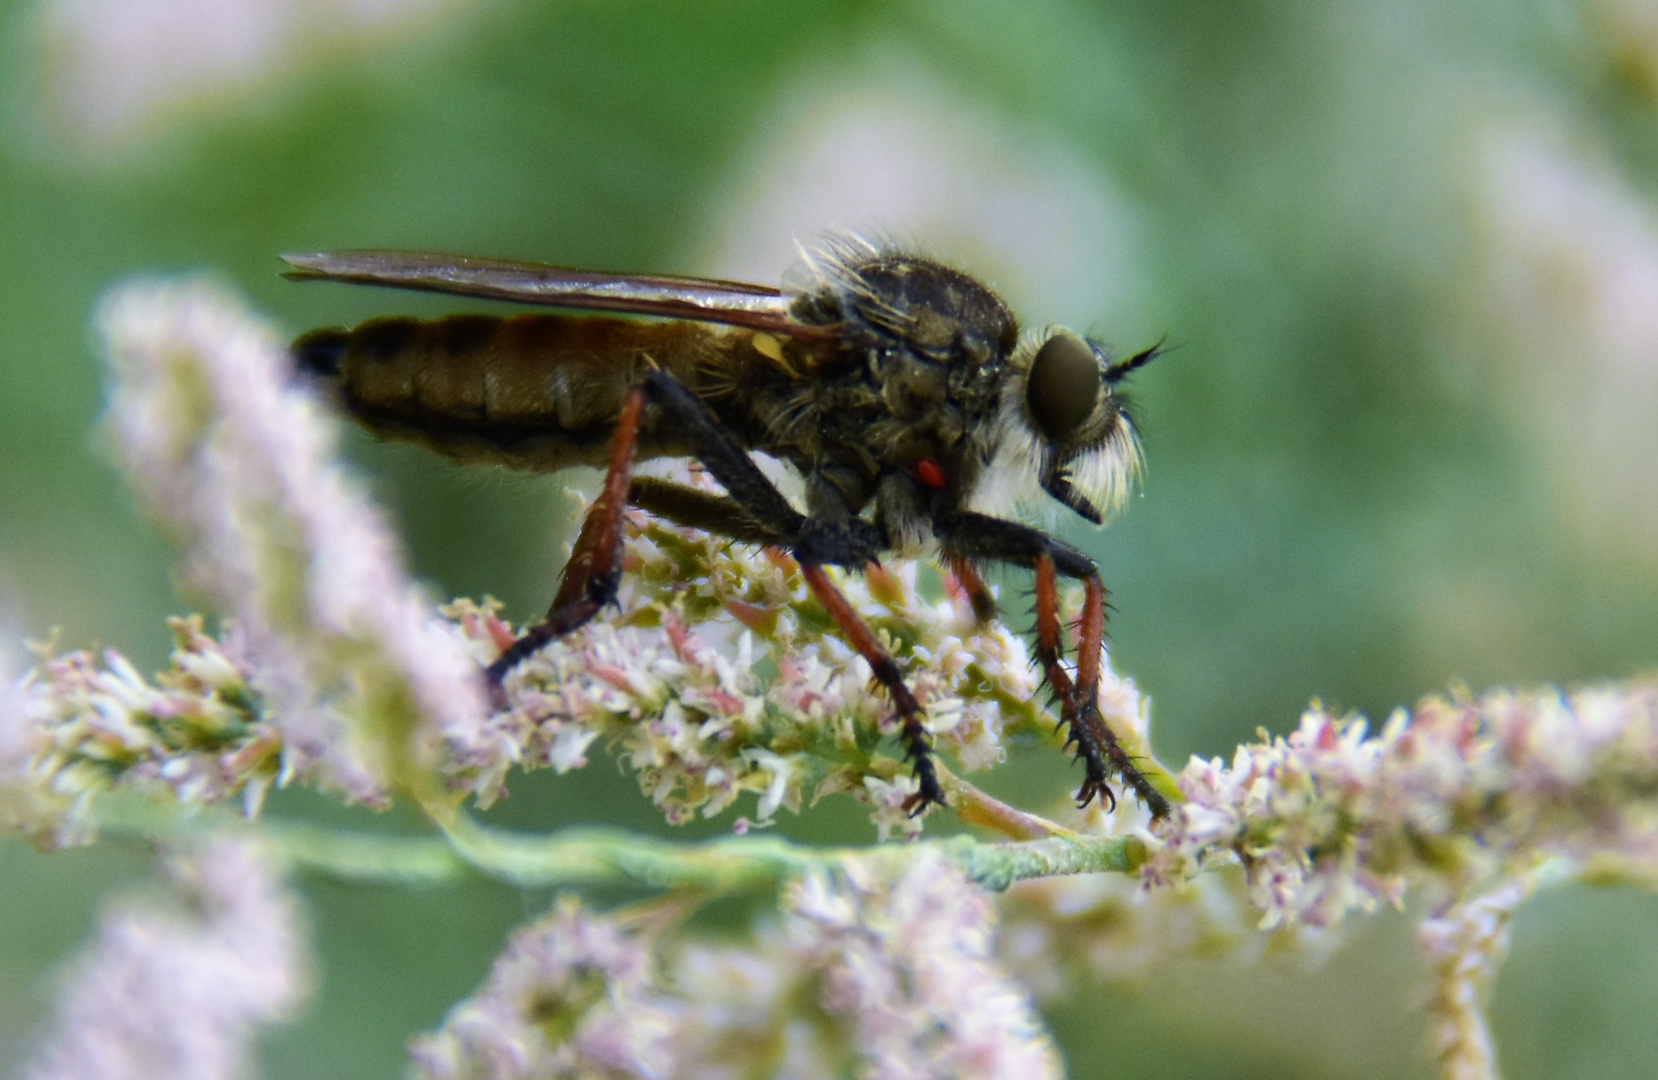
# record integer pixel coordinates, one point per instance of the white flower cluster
(880, 976)
(178, 991)
(1461, 792)
(680, 684)
(907, 966)
(196, 735)
(572, 995)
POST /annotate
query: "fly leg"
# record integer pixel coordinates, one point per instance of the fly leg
(756, 510)
(686, 505)
(977, 536)
(977, 592)
(594, 571)
(918, 744)
(1095, 743)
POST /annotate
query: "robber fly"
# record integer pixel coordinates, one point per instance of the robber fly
(900, 389)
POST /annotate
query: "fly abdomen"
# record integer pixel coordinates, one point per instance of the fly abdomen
(532, 391)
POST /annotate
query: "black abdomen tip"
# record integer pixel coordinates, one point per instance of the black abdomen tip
(320, 352)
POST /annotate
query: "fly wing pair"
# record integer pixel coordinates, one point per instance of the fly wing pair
(732, 303)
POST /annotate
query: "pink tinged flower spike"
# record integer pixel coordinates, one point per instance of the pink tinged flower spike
(1459, 794)
(1465, 943)
(678, 685)
(572, 995)
(907, 964)
(235, 460)
(86, 724)
(178, 991)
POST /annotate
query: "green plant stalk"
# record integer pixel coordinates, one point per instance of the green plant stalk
(607, 856)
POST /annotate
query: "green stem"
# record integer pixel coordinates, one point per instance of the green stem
(603, 856)
(607, 856)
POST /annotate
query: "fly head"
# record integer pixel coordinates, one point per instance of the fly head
(1072, 421)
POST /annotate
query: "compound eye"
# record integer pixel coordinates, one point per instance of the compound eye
(1063, 386)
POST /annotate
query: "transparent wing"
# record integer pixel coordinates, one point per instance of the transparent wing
(666, 295)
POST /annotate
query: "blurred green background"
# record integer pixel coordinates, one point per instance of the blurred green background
(1406, 253)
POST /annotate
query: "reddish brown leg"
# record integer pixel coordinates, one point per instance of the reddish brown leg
(1065, 692)
(1091, 634)
(978, 593)
(918, 745)
(594, 570)
(1096, 743)
(1090, 648)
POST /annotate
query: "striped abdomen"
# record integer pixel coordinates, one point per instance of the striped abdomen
(531, 391)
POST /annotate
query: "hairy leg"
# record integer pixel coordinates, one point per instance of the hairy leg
(593, 574)
(912, 732)
(980, 537)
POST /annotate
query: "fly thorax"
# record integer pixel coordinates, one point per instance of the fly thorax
(912, 388)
